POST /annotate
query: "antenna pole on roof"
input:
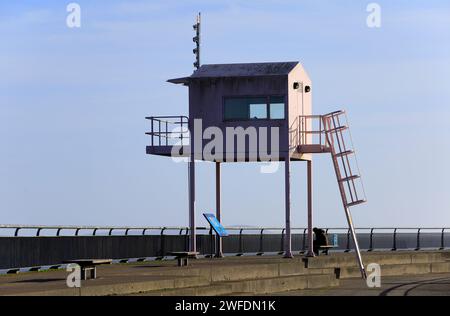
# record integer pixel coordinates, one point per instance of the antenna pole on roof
(196, 39)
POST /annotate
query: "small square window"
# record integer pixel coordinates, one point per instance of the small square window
(258, 111)
(277, 108)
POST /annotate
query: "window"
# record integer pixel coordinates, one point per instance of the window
(258, 111)
(276, 108)
(236, 109)
(254, 108)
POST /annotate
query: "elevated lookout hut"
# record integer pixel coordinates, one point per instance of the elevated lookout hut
(257, 112)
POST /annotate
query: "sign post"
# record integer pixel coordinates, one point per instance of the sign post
(216, 226)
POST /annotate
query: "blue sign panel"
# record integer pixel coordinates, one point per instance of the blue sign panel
(335, 240)
(216, 225)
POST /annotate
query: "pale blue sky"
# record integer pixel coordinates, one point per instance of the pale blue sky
(73, 102)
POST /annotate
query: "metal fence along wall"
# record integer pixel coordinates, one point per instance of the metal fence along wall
(35, 251)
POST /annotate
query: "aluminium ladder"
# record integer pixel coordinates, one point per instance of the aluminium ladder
(335, 136)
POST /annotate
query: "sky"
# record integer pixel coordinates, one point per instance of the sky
(73, 103)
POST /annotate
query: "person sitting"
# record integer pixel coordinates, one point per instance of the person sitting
(320, 240)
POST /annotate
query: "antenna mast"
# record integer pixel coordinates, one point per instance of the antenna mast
(196, 39)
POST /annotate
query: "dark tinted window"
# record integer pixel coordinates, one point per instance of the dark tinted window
(251, 108)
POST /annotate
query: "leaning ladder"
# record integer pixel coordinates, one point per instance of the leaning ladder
(336, 132)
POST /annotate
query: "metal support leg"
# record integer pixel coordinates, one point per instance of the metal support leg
(287, 189)
(355, 242)
(310, 212)
(192, 240)
(219, 253)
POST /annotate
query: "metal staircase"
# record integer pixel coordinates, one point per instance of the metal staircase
(331, 133)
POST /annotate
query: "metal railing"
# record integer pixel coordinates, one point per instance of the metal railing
(239, 231)
(51, 245)
(168, 130)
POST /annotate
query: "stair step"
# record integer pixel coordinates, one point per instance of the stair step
(337, 129)
(356, 203)
(345, 153)
(349, 178)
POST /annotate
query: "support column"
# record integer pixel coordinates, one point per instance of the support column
(287, 189)
(219, 253)
(192, 239)
(310, 252)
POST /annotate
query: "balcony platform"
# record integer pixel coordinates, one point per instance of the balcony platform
(313, 149)
(166, 151)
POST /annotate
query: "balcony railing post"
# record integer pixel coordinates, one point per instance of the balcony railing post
(167, 133)
(153, 131)
(159, 132)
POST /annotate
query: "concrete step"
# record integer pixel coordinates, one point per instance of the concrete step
(255, 287)
(124, 288)
(385, 258)
(399, 269)
(222, 273)
(288, 283)
(209, 290)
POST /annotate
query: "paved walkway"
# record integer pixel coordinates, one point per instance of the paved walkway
(130, 278)
(414, 285)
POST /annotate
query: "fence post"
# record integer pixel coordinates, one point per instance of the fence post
(304, 242)
(418, 240)
(186, 238)
(442, 239)
(348, 241)
(371, 240)
(261, 247)
(394, 245)
(241, 244)
(282, 242)
(161, 251)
